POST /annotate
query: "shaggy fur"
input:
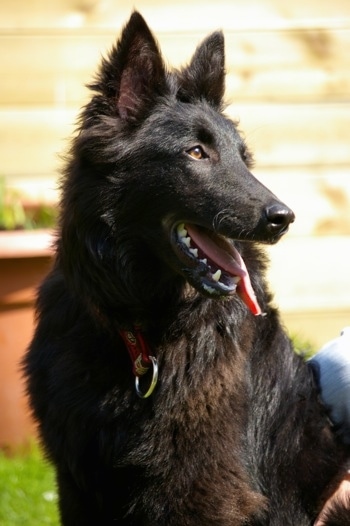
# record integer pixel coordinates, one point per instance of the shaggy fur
(234, 432)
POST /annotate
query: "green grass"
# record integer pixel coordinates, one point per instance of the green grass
(27, 490)
(302, 346)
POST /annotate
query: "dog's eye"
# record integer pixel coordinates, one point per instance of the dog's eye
(197, 153)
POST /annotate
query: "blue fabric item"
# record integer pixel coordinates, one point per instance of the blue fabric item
(332, 363)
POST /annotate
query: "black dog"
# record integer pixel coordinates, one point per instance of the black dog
(214, 420)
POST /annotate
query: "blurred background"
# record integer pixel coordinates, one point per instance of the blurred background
(288, 82)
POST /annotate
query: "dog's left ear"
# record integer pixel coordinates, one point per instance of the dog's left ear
(205, 76)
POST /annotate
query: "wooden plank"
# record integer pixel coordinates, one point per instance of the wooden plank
(272, 66)
(288, 66)
(278, 65)
(163, 15)
(31, 140)
(280, 135)
(296, 134)
(47, 70)
(310, 272)
(310, 279)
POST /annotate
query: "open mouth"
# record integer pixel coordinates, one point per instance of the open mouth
(212, 264)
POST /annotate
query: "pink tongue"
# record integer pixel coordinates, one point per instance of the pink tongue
(226, 257)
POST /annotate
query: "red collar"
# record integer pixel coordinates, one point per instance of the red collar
(141, 358)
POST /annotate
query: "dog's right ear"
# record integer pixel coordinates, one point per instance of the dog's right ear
(133, 75)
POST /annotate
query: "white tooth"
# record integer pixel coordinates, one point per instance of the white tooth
(217, 275)
(181, 230)
(186, 241)
(236, 279)
(194, 251)
(205, 261)
(209, 289)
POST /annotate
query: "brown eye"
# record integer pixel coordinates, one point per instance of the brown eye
(197, 153)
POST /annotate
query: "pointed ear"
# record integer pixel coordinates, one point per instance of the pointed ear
(205, 76)
(133, 76)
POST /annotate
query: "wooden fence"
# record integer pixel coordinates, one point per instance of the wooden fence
(288, 82)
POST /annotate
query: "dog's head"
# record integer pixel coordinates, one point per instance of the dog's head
(171, 171)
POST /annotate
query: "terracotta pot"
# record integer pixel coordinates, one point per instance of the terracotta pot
(25, 258)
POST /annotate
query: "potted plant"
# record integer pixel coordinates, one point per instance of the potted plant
(26, 237)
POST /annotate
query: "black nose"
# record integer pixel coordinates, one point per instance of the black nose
(279, 217)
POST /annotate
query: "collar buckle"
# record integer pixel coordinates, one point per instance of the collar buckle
(141, 359)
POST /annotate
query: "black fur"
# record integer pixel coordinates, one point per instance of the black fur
(234, 433)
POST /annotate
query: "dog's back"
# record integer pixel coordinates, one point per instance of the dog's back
(157, 261)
